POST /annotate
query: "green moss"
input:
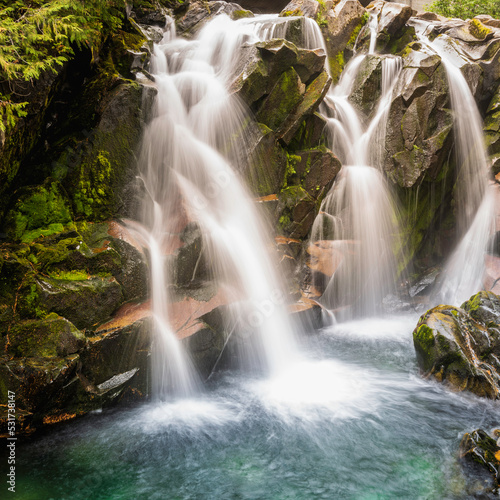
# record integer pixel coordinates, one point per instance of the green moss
(425, 336)
(337, 64)
(241, 14)
(478, 30)
(78, 275)
(292, 13)
(41, 210)
(357, 29)
(95, 185)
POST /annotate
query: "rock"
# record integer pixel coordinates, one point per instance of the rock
(367, 84)
(262, 179)
(189, 262)
(310, 175)
(200, 12)
(488, 20)
(341, 28)
(18, 141)
(264, 6)
(101, 179)
(85, 301)
(479, 449)
(38, 211)
(392, 17)
(282, 100)
(461, 346)
(261, 65)
(308, 8)
(492, 125)
(310, 133)
(418, 136)
(50, 337)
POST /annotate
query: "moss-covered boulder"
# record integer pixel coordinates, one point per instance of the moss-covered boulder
(38, 211)
(51, 337)
(482, 451)
(461, 346)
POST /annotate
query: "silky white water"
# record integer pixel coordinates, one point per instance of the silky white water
(359, 207)
(474, 200)
(191, 154)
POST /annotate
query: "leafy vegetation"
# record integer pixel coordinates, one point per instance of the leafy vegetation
(465, 9)
(37, 36)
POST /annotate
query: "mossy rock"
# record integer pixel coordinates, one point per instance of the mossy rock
(39, 211)
(482, 450)
(456, 349)
(85, 303)
(51, 337)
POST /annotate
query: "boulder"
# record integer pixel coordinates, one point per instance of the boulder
(341, 27)
(50, 337)
(461, 346)
(199, 12)
(418, 137)
(482, 451)
(308, 8)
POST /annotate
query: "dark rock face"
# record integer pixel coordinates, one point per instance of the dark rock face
(482, 451)
(461, 346)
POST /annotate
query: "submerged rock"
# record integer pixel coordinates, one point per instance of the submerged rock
(461, 346)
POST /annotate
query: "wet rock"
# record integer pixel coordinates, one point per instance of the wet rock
(341, 27)
(310, 175)
(189, 262)
(101, 179)
(308, 8)
(53, 336)
(392, 17)
(418, 137)
(84, 302)
(38, 211)
(492, 126)
(264, 180)
(310, 133)
(367, 84)
(424, 284)
(482, 451)
(461, 346)
(282, 100)
(42, 386)
(261, 66)
(200, 12)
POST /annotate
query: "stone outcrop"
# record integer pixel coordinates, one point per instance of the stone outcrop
(461, 346)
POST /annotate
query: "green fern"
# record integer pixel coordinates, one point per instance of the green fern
(38, 36)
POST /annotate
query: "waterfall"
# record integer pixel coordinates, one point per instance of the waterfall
(359, 213)
(189, 168)
(463, 272)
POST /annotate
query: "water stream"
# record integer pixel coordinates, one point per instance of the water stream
(356, 422)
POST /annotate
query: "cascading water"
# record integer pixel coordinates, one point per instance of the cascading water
(474, 200)
(359, 208)
(359, 213)
(187, 179)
